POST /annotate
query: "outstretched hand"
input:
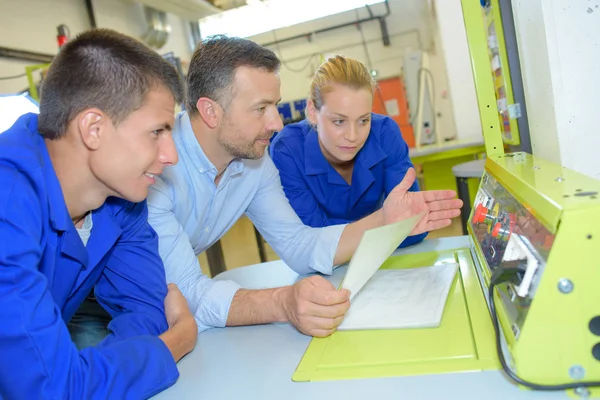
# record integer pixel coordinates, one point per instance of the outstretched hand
(440, 206)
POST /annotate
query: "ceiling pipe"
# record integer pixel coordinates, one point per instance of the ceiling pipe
(24, 55)
(91, 15)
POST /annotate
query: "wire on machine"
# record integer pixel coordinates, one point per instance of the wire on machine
(512, 375)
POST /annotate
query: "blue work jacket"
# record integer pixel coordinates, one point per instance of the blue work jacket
(46, 272)
(319, 194)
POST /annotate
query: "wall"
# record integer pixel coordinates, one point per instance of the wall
(535, 69)
(31, 25)
(559, 50)
(411, 27)
(453, 40)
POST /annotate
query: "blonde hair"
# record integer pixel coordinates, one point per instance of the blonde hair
(341, 70)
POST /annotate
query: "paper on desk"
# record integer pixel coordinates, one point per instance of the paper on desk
(402, 298)
(374, 248)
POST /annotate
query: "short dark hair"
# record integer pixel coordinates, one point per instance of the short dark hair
(214, 64)
(104, 69)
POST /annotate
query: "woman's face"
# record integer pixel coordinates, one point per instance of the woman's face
(343, 122)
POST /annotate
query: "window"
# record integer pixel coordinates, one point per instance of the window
(12, 107)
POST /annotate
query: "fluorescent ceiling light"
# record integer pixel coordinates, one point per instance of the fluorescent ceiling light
(264, 16)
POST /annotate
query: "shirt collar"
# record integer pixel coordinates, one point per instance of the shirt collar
(315, 162)
(57, 207)
(59, 214)
(371, 154)
(194, 152)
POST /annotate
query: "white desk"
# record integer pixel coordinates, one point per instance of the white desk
(257, 362)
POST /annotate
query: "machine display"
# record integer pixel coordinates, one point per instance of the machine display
(511, 238)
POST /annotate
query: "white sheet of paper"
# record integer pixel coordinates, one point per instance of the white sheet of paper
(374, 248)
(402, 298)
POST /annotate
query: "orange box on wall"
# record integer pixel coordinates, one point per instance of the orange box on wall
(391, 93)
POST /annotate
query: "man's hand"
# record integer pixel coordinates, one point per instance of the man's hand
(314, 306)
(440, 206)
(183, 331)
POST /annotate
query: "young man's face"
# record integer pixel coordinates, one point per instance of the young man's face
(139, 148)
(252, 116)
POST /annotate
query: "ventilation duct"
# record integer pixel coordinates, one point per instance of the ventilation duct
(159, 29)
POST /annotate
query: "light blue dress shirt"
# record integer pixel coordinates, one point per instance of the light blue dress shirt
(190, 213)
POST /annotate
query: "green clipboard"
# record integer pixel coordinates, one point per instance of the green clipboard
(464, 341)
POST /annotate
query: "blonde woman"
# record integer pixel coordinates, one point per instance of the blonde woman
(340, 163)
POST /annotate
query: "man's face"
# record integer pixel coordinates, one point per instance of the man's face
(136, 150)
(252, 116)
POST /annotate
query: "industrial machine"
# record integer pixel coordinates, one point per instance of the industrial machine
(420, 93)
(534, 228)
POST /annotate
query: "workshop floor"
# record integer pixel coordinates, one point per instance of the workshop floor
(240, 248)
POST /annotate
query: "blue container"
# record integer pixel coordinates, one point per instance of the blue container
(300, 107)
(285, 111)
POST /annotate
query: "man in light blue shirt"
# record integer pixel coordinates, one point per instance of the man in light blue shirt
(223, 172)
